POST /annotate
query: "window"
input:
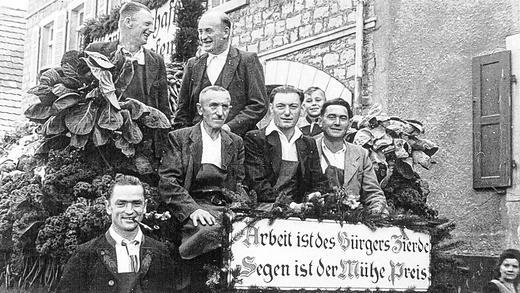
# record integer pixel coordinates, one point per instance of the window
(492, 159)
(47, 44)
(227, 5)
(77, 17)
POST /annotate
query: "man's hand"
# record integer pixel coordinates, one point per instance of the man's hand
(226, 127)
(204, 217)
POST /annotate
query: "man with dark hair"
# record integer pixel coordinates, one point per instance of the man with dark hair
(148, 83)
(123, 259)
(222, 64)
(347, 165)
(200, 165)
(314, 97)
(279, 158)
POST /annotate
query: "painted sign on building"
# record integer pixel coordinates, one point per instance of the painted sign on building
(295, 254)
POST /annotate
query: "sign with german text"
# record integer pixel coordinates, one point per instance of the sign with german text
(295, 254)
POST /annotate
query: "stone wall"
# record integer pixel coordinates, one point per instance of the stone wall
(264, 25)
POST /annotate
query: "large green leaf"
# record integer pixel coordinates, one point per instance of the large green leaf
(78, 141)
(99, 60)
(66, 101)
(135, 107)
(50, 77)
(40, 90)
(126, 148)
(106, 84)
(99, 136)
(39, 111)
(60, 90)
(131, 131)
(94, 93)
(54, 125)
(56, 142)
(155, 119)
(81, 118)
(110, 118)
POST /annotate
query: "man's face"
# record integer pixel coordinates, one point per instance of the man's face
(313, 103)
(214, 108)
(286, 109)
(126, 204)
(141, 27)
(213, 35)
(335, 122)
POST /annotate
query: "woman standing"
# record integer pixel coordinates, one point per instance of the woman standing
(506, 274)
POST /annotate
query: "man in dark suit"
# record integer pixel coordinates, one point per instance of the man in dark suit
(239, 72)
(123, 259)
(148, 84)
(279, 158)
(201, 164)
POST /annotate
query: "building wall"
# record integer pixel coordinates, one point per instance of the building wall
(12, 33)
(424, 51)
(266, 26)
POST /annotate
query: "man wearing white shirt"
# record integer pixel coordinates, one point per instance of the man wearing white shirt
(123, 259)
(223, 65)
(344, 164)
(279, 158)
(200, 162)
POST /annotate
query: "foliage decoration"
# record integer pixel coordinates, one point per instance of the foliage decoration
(91, 111)
(186, 36)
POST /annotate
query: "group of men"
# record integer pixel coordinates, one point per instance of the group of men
(217, 150)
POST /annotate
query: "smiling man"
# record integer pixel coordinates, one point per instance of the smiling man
(347, 165)
(148, 83)
(279, 158)
(123, 259)
(224, 65)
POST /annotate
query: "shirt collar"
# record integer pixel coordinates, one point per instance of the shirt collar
(311, 120)
(324, 147)
(221, 55)
(139, 55)
(272, 127)
(119, 239)
(205, 135)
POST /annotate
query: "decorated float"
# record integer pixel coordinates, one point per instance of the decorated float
(55, 174)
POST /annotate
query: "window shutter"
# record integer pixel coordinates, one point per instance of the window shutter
(492, 162)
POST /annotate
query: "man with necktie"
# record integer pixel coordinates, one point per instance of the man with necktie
(122, 259)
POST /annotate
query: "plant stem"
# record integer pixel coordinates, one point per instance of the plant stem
(104, 159)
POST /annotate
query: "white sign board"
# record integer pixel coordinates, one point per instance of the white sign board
(296, 254)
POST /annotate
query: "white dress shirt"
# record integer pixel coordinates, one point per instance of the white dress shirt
(289, 152)
(211, 149)
(215, 64)
(124, 264)
(139, 55)
(336, 159)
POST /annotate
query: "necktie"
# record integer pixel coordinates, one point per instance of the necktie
(133, 258)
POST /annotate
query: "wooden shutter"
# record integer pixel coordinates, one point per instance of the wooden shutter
(492, 162)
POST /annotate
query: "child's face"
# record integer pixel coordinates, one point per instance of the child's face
(313, 103)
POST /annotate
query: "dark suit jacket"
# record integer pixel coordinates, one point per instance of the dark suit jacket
(242, 76)
(182, 161)
(359, 177)
(93, 268)
(263, 159)
(156, 82)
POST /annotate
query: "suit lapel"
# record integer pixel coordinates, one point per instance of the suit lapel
(302, 152)
(351, 163)
(199, 67)
(230, 67)
(107, 253)
(226, 150)
(274, 150)
(196, 148)
(150, 65)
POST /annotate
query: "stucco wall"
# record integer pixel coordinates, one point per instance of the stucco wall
(423, 55)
